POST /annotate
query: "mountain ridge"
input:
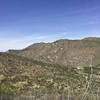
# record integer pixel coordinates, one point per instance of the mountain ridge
(46, 68)
(64, 51)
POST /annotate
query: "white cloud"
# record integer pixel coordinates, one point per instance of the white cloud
(63, 33)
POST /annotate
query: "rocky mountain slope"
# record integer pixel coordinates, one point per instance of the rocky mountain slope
(64, 52)
(19, 75)
(45, 68)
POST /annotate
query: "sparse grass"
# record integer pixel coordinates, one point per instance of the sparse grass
(23, 76)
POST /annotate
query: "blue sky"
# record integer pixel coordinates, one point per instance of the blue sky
(23, 22)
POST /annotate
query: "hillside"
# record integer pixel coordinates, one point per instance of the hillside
(19, 75)
(64, 52)
(23, 76)
(51, 68)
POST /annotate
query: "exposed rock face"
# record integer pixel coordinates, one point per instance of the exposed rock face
(64, 52)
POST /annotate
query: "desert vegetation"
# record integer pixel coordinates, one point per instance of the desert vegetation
(22, 78)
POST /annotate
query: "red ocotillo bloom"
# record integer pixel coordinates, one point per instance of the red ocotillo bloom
(92, 52)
